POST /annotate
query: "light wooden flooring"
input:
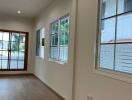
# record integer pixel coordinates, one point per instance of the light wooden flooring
(24, 88)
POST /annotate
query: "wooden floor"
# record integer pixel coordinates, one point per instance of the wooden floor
(24, 88)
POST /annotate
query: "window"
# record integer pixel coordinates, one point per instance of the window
(115, 40)
(59, 39)
(13, 50)
(40, 39)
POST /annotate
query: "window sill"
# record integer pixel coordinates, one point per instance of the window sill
(115, 75)
(58, 62)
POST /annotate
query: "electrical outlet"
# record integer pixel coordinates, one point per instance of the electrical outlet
(89, 98)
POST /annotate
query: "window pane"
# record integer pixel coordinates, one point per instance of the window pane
(14, 55)
(63, 53)
(5, 36)
(13, 64)
(5, 45)
(108, 8)
(21, 64)
(14, 46)
(107, 56)
(37, 42)
(21, 46)
(55, 52)
(56, 39)
(1, 35)
(124, 28)
(54, 27)
(123, 61)
(15, 37)
(0, 45)
(22, 38)
(52, 40)
(4, 54)
(108, 31)
(124, 6)
(64, 31)
(21, 55)
(4, 64)
(0, 54)
(62, 39)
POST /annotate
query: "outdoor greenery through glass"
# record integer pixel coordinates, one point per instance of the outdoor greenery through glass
(12, 50)
(59, 39)
(116, 35)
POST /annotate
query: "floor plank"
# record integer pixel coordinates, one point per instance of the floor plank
(24, 88)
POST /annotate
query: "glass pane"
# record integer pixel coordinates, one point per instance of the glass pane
(62, 39)
(22, 47)
(124, 6)
(22, 38)
(13, 64)
(4, 64)
(124, 28)
(4, 54)
(0, 54)
(5, 36)
(14, 46)
(1, 35)
(20, 64)
(108, 8)
(5, 45)
(54, 27)
(55, 52)
(37, 42)
(64, 25)
(54, 40)
(14, 55)
(108, 31)
(63, 53)
(107, 56)
(0, 45)
(123, 61)
(15, 37)
(21, 55)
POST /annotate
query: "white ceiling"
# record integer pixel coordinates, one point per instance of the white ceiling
(29, 8)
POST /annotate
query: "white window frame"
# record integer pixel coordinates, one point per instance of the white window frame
(58, 60)
(41, 48)
(122, 76)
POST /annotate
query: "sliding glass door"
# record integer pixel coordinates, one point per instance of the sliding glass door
(13, 50)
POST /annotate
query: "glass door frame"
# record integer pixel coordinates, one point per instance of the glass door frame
(25, 53)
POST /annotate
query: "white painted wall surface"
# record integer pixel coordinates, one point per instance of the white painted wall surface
(57, 76)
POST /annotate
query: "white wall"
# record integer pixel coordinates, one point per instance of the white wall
(20, 24)
(57, 76)
(87, 82)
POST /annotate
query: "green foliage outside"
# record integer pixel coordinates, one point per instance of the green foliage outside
(18, 44)
(63, 28)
